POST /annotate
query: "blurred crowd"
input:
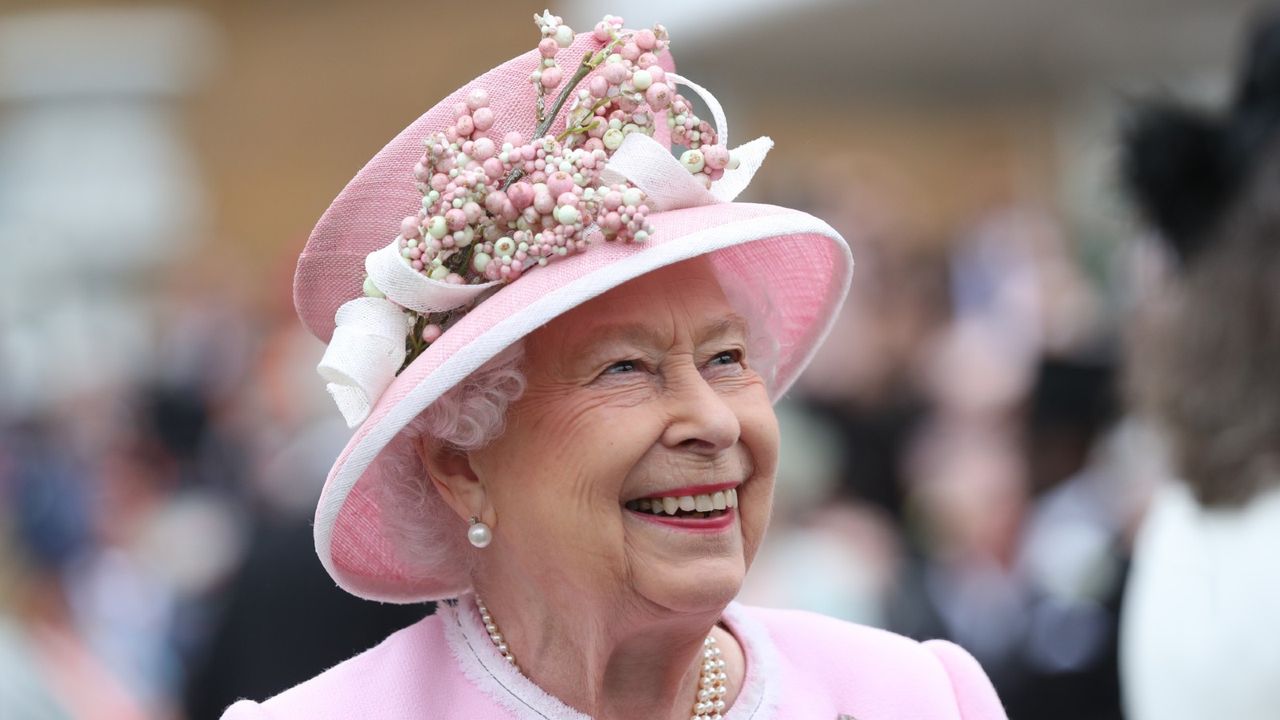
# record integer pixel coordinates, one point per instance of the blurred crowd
(157, 558)
(959, 461)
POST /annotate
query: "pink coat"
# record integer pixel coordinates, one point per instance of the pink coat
(799, 665)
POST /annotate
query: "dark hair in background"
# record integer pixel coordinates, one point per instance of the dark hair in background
(1208, 366)
(1185, 168)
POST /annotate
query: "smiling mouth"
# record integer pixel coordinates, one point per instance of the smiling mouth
(705, 505)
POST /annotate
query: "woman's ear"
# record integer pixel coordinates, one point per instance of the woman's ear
(451, 473)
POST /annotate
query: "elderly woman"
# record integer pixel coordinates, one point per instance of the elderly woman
(562, 370)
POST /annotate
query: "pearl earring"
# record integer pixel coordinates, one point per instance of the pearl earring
(479, 533)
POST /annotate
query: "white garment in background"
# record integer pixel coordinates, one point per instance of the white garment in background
(1200, 629)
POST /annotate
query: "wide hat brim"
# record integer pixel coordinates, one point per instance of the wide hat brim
(800, 267)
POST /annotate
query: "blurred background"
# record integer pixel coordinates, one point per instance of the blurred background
(957, 463)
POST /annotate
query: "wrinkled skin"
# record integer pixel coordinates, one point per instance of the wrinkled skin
(643, 389)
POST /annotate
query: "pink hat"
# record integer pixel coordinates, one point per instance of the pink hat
(352, 287)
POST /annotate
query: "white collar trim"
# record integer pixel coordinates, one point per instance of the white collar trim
(485, 667)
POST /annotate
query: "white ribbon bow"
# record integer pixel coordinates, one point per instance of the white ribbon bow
(368, 343)
(667, 185)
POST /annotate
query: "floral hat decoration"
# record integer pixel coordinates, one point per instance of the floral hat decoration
(541, 184)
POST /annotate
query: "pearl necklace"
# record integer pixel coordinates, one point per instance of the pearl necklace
(712, 678)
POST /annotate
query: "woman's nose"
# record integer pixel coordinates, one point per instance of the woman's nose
(700, 418)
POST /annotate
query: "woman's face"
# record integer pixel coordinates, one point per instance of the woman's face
(645, 392)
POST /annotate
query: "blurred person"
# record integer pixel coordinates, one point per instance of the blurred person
(50, 668)
(1014, 550)
(1030, 584)
(589, 445)
(1203, 612)
(1073, 546)
(125, 600)
(966, 505)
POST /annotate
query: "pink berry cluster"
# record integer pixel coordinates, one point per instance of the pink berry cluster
(504, 208)
(627, 94)
(706, 159)
(493, 209)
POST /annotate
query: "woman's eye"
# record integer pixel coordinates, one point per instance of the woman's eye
(727, 357)
(622, 366)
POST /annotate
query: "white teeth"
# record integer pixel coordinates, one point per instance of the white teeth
(672, 505)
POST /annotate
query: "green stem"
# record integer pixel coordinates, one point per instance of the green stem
(575, 130)
(459, 260)
(583, 68)
(586, 66)
(590, 62)
(414, 344)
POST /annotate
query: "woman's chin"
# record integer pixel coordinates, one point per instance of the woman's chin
(703, 586)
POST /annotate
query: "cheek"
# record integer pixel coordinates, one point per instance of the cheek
(760, 436)
(758, 429)
(576, 450)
